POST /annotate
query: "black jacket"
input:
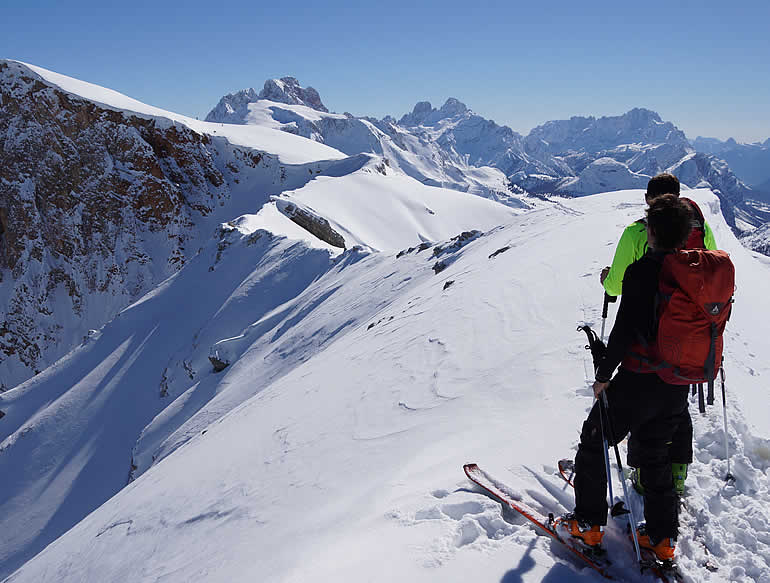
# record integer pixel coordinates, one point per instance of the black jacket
(636, 319)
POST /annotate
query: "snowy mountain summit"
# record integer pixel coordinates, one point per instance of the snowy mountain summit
(288, 90)
(233, 108)
(425, 114)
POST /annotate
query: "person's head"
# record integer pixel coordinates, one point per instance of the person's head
(669, 221)
(662, 184)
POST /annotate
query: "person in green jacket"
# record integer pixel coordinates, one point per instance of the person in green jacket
(632, 246)
(633, 241)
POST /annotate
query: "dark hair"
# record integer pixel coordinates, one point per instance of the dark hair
(662, 184)
(670, 220)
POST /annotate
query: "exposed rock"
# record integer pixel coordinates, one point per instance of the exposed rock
(312, 223)
(501, 250)
(288, 90)
(218, 365)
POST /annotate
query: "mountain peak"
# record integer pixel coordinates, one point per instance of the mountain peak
(288, 90)
(425, 113)
(642, 116)
(453, 107)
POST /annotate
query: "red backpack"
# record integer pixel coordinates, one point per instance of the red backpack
(697, 237)
(694, 302)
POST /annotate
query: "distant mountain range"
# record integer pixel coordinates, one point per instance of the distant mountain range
(750, 162)
(103, 197)
(449, 145)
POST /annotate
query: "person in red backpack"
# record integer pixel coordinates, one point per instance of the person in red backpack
(640, 401)
(632, 246)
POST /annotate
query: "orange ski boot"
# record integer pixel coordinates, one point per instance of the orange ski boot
(590, 534)
(663, 548)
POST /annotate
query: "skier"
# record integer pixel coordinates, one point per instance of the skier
(632, 246)
(633, 242)
(640, 401)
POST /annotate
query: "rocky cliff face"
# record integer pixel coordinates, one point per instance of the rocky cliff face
(97, 206)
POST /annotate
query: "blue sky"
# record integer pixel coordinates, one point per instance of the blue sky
(702, 65)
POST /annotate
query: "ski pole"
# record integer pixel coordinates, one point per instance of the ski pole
(605, 406)
(607, 469)
(602, 411)
(729, 477)
(630, 510)
(608, 299)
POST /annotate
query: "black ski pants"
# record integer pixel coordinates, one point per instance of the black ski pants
(652, 412)
(679, 450)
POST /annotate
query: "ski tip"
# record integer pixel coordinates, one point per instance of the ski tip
(470, 468)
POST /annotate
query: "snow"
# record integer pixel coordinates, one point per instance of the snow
(289, 148)
(384, 212)
(331, 448)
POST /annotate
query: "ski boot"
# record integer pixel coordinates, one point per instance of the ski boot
(680, 475)
(590, 534)
(678, 471)
(663, 548)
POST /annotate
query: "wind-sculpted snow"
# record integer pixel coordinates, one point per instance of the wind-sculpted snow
(333, 445)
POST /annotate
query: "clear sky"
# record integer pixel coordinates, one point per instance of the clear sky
(704, 65)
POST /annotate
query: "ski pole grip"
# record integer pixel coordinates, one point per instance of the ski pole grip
(608, 299)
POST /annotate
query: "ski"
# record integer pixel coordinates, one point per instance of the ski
(543, 524)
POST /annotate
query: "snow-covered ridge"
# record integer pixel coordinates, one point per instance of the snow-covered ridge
(415, 151)
(286, 147)
(333, 441)
(107, 197)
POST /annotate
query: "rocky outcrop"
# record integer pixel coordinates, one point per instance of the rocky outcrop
(97, 205)
(288, 90)
(312, 223)
(89, 200)
(758, 240)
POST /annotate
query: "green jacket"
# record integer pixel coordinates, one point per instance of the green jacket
(632, 246)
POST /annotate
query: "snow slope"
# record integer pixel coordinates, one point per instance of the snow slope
(347, 467)
(142, 385)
